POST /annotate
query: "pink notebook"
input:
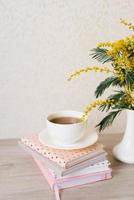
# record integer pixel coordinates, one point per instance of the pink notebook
(58, 169)
(76, 180)
(63, 158)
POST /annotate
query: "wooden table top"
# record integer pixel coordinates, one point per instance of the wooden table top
(20, 178)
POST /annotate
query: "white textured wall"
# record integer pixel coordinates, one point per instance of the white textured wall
(41, 42)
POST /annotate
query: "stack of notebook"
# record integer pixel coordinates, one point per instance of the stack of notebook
(68, 168)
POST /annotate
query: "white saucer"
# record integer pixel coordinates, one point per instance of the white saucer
(87, 140)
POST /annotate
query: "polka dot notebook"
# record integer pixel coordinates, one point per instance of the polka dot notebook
(64, 158)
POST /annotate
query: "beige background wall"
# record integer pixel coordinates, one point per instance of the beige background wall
(41, 42)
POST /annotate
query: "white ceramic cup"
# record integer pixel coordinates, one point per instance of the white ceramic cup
(66, 133)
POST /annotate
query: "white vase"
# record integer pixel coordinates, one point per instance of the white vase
(124, 151)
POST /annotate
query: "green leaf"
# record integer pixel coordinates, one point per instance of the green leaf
(117, 96)
(106, 84)
(108, 120)
(105, 107)
(122, 104)
(101, 55)
(129, 78)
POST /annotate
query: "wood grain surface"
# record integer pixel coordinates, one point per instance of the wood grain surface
(20, 179)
